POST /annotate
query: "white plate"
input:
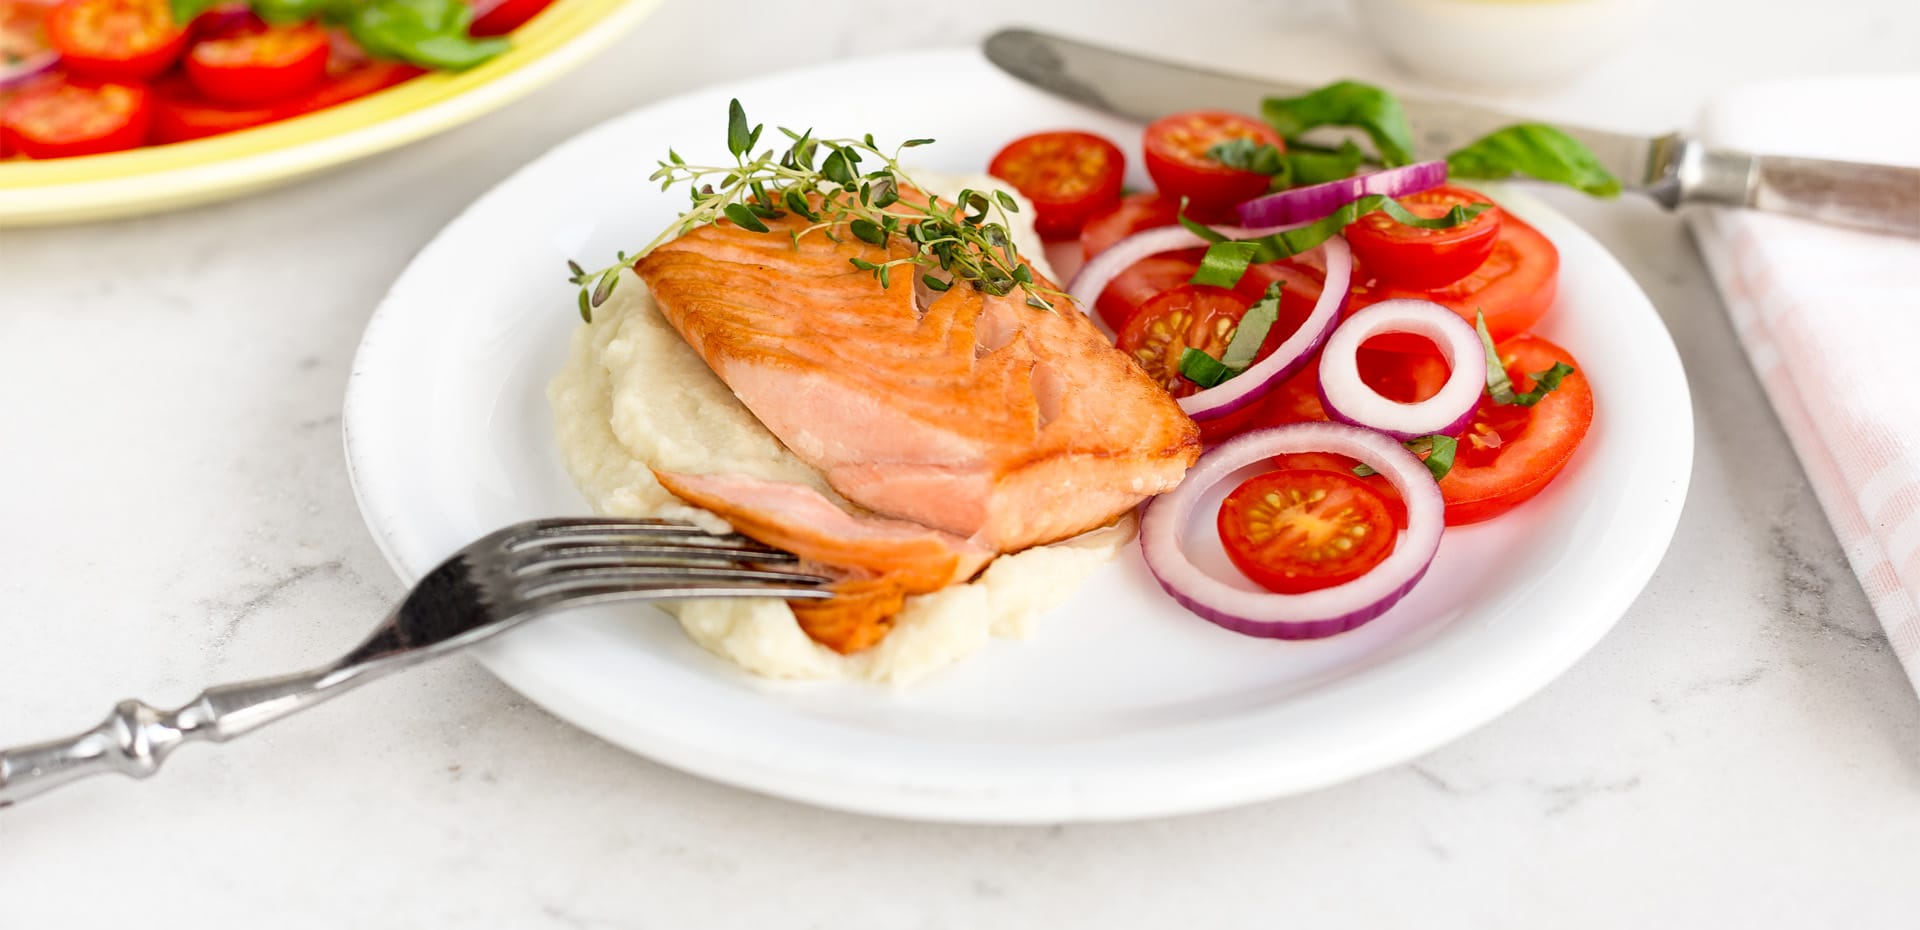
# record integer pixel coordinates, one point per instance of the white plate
(1122, 706)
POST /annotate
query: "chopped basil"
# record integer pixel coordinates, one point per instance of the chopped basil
(1537, 151)
(1252, 330)
(1203, 369)
(1224, 263)
(1346, 103)
(1227, 259)
(1439, 451)
(1500, 387)
(1248, 155)
(1242, 350)
(1296, 167)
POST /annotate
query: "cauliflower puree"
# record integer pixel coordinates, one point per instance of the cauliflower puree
(633, 394)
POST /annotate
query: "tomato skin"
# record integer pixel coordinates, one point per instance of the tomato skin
(1176, 156)
(115, 40)
(258, 63)
(350, 83)
(1069, 176)
(1515, 286)
(181, 114)
(62, 119)
(506, 17)
(1409, 256)
(1299, 530)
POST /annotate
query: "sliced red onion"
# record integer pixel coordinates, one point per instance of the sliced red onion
(1350, 400)
(1306, 204)
(1287, 358)
(1100, 270)
(26, 69)
(1316, 613)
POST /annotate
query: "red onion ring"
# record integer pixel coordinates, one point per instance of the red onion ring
(28, 68)
(1100, 270)
(1350, 400)
(1287, 358)
(1306, 204)
(1316, 613)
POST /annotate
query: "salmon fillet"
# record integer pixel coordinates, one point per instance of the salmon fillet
(968, 413)
(876, 562)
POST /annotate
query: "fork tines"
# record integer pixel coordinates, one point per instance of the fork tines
(586, 557)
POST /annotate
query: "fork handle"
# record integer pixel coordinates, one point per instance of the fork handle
(137, 737)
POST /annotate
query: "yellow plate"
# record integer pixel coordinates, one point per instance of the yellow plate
(168, 176)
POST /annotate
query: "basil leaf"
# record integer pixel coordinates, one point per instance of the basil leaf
(1224, 263)
(1252, 330)
(431, 33)
(184, 11)
(1500, 386)
(1248, 155)
(1537, 151)
(1439, 451)
(1309, 166)
(1346, 103)
(1203, 369)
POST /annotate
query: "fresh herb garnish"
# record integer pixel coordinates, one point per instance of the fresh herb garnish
(822, 181)
(1295, 167)
(1242, 349)
(1537, 151)
(1346, 103)
(428, 33)
(1500, 386)
(1436, 453)
(1533, 149)
(1228, 259)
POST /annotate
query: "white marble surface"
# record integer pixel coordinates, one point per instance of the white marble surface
(1741, 751)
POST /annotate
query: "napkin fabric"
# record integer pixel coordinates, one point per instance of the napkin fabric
(1830, 319)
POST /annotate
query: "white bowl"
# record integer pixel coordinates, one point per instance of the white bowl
(1502, 43)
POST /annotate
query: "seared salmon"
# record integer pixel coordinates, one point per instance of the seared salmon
(972, 414)
(876, 561)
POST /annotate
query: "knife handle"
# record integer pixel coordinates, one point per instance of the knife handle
(1878, 197)
(1882, 198)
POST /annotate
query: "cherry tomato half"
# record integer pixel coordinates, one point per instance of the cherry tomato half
(1409, 256)
(62, 118)
(1301, 530)
(258, 63)
(1176, 156)
(1186, 317)
(1514, 287)
(115, 40)
(1069, 176)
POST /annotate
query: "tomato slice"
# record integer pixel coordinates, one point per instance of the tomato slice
(1186, 317)
(1176, 156)
(1515, 286)
(256, 63)
(506, 16)
(349, 82)
(181, 114)
(1069, 176)
(62, 118)
(115, 40)
(1507, 454)
(1409, 256)
(1300, 530)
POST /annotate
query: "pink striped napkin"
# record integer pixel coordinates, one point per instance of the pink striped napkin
(1831, 322)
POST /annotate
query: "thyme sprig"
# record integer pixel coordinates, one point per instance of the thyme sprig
(823, 182)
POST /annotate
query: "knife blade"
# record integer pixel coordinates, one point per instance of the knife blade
(1673, 169)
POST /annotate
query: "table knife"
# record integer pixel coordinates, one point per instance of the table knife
(1673, 169)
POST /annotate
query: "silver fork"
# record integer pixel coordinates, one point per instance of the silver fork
(487, 588)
